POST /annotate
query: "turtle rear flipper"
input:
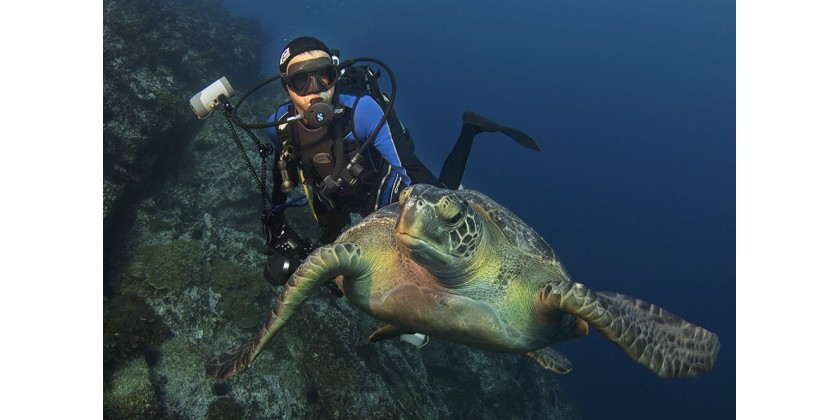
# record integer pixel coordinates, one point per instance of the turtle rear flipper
(663, 342)
(387, 332)
(551, 359)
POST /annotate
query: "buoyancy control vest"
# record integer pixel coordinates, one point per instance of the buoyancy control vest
(320, 150)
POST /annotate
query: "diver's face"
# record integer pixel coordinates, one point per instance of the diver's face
(302, 102)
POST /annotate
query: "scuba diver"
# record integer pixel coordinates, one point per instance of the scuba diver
(320, 140)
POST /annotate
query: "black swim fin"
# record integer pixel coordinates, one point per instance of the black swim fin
(488, 125)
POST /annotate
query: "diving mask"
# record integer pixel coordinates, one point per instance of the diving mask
(311, 76)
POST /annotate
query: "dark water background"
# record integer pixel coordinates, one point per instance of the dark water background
(633, 104)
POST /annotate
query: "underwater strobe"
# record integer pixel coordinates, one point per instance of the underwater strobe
(217, 95)
(204, 102)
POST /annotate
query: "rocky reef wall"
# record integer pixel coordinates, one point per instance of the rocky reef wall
(156, 54)
(183, 259)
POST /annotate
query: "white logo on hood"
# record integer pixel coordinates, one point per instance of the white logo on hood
(285, 56)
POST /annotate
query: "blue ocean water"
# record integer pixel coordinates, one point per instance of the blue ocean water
(633, 104)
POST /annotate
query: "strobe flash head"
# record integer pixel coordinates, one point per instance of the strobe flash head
(203, 103)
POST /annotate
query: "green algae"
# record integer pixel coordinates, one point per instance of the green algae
(168, 266)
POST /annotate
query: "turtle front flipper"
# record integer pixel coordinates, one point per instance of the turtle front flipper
(230, 362)
(663, 342)
(321, 266)
(551, 359)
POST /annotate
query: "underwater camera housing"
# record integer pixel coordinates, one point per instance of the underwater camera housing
(203, 102)
(288, 249)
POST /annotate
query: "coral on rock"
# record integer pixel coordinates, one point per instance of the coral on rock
(168, 266)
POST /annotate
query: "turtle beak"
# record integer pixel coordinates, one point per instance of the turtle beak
(411, 232)
(404, 224)
(410, 213)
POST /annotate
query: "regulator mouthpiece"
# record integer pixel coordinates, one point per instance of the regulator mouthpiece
(318, 115)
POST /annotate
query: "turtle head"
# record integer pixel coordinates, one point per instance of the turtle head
(438, 228)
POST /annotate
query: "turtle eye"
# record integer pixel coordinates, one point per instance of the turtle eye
(455, 218)
(452, 210)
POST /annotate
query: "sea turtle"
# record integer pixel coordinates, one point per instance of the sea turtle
(457, 266)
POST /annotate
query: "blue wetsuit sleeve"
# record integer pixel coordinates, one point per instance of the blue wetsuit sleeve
(271, 131)
(365, 118)
(397, 148)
